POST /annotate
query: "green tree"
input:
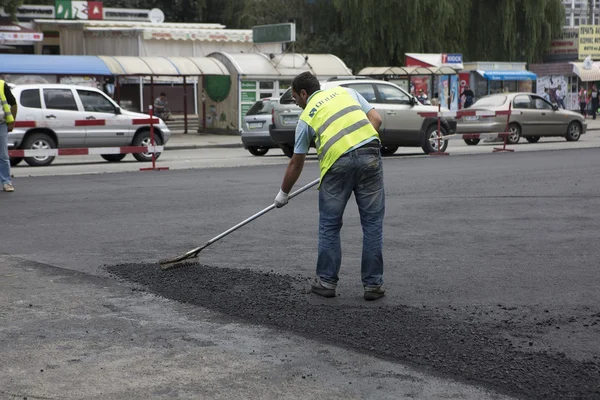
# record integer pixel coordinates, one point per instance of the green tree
(368, 33)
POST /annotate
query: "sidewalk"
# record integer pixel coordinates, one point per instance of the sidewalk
(181, 141)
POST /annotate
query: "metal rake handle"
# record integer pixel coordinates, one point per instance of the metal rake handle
(260, 213)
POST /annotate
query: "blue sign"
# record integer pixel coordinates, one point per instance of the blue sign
(451, 58)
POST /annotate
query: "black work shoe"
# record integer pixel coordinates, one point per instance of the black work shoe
(318, 288)
(374, 292)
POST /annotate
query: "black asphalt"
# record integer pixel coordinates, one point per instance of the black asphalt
(492, 260)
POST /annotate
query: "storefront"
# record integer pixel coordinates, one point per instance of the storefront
(497, 77)
(18, 38)
(562, 76)
(255, 76)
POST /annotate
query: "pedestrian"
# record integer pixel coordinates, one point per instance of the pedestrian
(423, 99)
(109, 86)
(161, 107)
(560, 97)
(593, 97)
(469, 96)
(344, 128)
(582, 97)
(546, 95)
(8, 113)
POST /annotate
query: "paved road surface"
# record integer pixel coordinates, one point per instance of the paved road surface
(491, 269)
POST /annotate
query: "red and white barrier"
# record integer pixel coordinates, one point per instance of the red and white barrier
(467, 113)
(471, 113)
(85, 151)
(85, 122)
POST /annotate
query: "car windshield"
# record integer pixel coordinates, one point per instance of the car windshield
(490, 101)
(261, 107)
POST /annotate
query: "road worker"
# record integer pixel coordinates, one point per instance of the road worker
(344, 127)
(8, 113)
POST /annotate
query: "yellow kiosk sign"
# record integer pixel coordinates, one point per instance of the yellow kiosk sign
(589, 41)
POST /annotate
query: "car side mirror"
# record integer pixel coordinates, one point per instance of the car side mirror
(554, 107)
(412, 101)
(117, 111)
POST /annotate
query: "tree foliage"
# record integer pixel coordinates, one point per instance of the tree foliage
(368, 33)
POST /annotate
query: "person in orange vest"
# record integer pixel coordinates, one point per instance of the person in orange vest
(8, 113)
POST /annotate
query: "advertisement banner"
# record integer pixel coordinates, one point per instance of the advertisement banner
(444, 90)
(589, 41)
(463, 83)
(454, 92)
(566, 43)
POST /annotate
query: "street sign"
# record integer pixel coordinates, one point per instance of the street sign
(276, 33)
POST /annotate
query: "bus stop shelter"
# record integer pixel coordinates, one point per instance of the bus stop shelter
(113, 66)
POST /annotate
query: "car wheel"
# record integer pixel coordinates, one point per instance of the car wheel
(573, 132)
(287, 150)
(431, 141)
(39, 141)
(388, 150)
(258, 151)
(515, 134)
(532, 139)
(14, 161)
(143, 139)
(472, 142)
(113, 157)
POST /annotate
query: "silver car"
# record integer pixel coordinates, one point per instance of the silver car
(255, 127)
(62, 116)
(538, 118)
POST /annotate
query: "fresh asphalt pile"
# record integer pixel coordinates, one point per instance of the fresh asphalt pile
(476, 346)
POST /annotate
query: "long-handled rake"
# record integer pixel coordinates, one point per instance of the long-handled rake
(183, 260)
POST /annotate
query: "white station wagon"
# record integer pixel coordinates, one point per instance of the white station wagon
(66, 116)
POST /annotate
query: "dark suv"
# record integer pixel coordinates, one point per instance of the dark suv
(402, 125)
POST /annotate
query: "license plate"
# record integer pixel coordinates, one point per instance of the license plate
(471, 118)
(290, 120)
(255, 125)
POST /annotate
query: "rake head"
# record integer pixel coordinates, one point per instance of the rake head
(184, 260)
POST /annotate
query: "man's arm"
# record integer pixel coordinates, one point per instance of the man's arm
(293, 171)
(375, 119)
(296, 164)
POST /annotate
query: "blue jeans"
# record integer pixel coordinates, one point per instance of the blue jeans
(4, 158)
(361, 172)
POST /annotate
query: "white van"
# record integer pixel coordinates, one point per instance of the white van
(66, 116)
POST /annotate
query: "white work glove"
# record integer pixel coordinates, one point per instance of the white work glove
(281, 199)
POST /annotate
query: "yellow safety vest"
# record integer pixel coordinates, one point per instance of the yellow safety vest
(339, 124)
(8, 117)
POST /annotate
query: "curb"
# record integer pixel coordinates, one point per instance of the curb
(203, 146)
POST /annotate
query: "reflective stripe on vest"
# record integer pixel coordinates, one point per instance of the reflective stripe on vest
(8, 117)
(339, 124)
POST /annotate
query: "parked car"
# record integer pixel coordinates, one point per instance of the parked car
(255, 127)
(538, 118)
(51, 111)
(402, 125)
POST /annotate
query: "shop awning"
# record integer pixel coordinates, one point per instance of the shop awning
(164, 66)
(508, 75)
(28, 64)
(407, 71)
(587, 74)
(286, 66)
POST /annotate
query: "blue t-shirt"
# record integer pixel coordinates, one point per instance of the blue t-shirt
(305, 133)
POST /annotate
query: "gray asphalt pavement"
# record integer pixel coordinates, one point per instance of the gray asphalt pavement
(491, 261)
